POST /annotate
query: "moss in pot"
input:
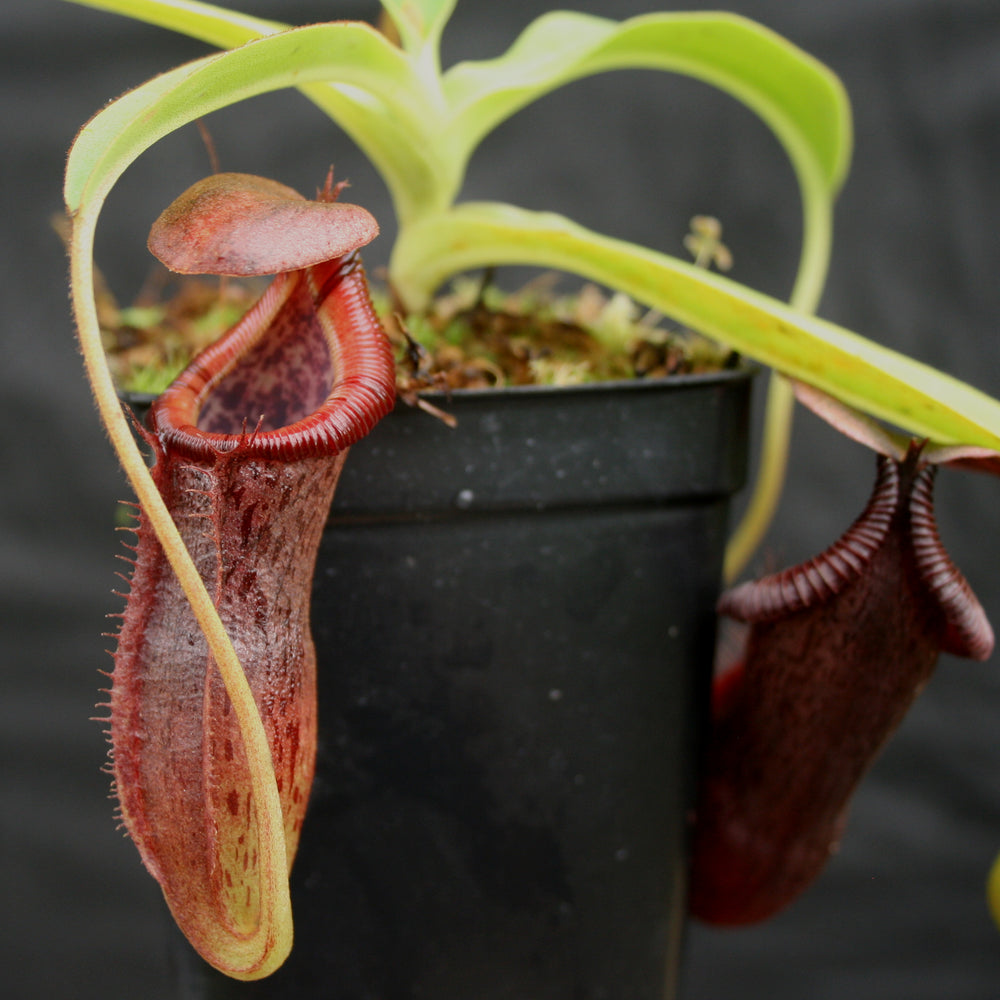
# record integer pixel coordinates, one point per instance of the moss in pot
(419, 126)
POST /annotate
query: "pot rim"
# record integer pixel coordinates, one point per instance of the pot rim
(744, 370)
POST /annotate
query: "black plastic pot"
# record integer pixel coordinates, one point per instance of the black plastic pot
(514, 623)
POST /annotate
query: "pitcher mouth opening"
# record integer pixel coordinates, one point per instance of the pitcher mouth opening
(301, 374)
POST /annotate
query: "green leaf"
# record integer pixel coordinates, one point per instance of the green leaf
(351, 53)
(802, 101)
(393, 138)
(855, 370)
(215, 25)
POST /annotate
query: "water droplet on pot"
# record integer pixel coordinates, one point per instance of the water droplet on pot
(464, 499)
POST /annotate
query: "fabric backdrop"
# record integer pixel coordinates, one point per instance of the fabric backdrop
(900, 913)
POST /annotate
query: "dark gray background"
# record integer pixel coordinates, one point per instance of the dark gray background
(900, 913)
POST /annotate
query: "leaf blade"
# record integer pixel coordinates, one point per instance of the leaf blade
(205, 21)
(856, 370)
(379, 109)
(352, 52)
(801, 100)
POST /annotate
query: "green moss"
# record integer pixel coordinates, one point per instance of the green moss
(476, 336)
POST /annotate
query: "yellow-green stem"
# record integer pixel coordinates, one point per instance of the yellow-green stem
(769, 481)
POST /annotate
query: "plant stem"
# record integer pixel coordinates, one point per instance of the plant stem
(769, 481)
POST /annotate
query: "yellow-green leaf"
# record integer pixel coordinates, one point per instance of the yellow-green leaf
(215, 25)
(351, 53)
(802, 101)
(855, 370)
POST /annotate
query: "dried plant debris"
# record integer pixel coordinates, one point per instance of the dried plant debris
(476, 336)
